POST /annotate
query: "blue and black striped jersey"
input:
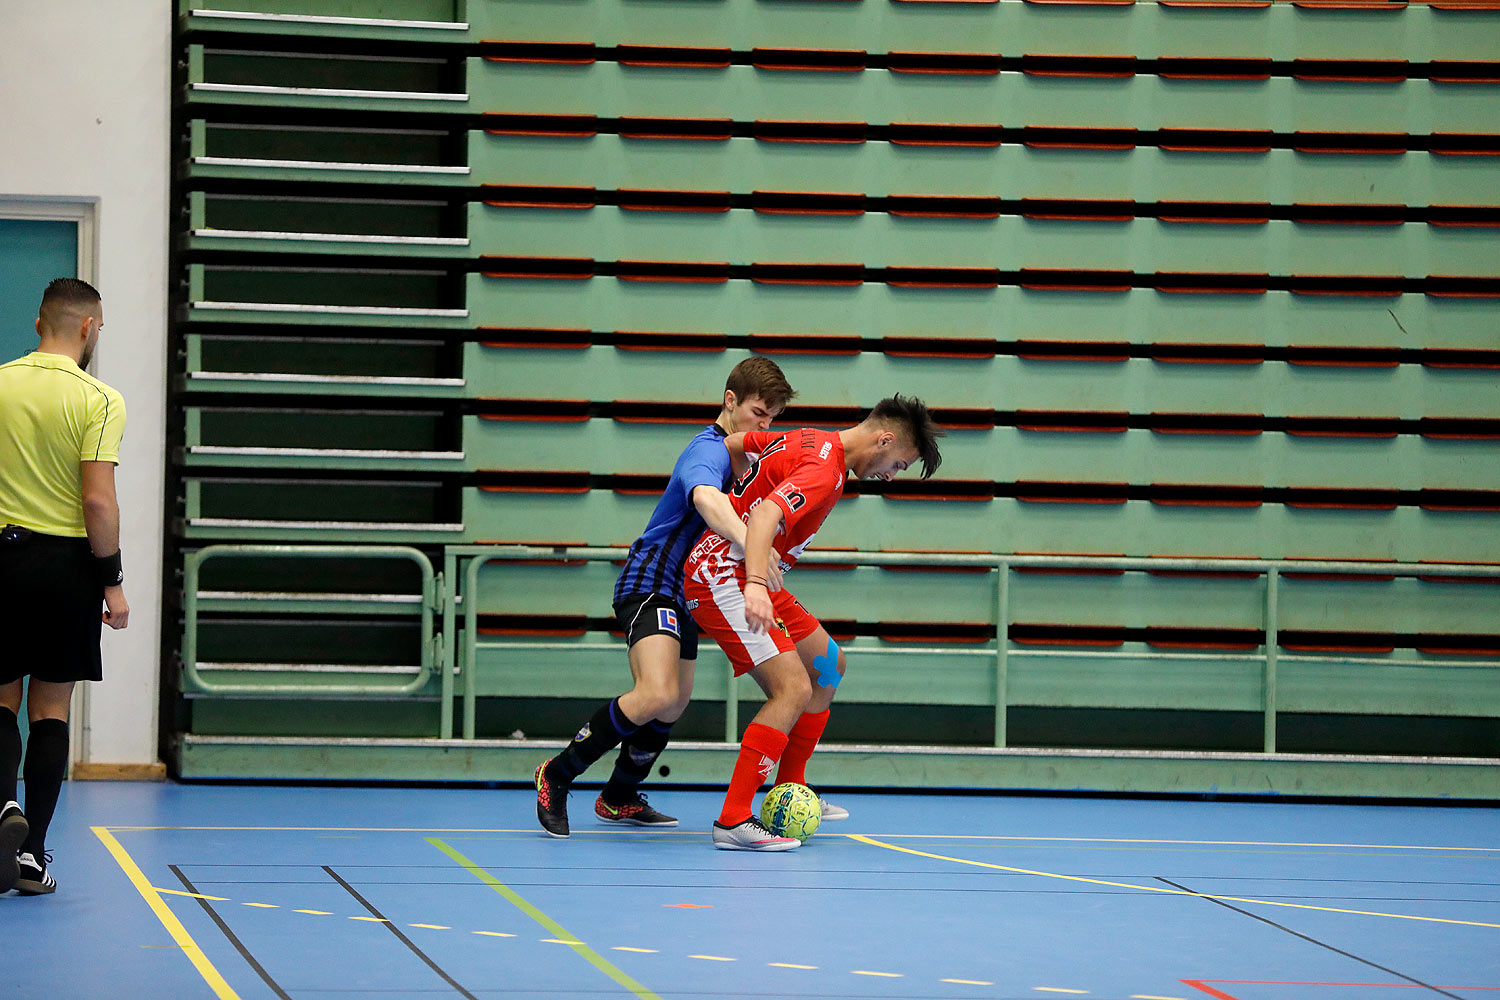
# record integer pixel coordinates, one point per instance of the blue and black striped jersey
(654, 565)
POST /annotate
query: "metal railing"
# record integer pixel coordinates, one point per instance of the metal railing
(472, 558)
(431, 598)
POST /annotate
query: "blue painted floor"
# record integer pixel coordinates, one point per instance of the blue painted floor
(402, 894)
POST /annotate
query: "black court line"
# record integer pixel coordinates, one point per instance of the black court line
(239, 946)
(1312, 940)
(403, 938)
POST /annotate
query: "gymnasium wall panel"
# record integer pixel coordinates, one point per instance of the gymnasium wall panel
(1211, 280)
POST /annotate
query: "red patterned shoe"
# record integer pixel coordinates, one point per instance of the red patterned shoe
(551, 803)
(636, 812)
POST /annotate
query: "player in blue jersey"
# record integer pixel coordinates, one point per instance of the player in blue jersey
(661, 634)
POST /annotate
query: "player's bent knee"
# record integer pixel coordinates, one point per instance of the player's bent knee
(828, 667)
(799, 689)
(673, 711)
(654, 701)
(788, 679)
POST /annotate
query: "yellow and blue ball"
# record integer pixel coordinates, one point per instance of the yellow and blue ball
(791, 810)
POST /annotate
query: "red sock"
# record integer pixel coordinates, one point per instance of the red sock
(800, 745)
(758, 752)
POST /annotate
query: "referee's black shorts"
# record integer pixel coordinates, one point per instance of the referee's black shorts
(50, 607)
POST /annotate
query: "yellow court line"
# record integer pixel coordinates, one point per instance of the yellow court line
(194, 895)
(515, 899)
(1170, 892)
(168, 919)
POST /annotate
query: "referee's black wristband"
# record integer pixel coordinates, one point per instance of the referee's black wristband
(110, 572)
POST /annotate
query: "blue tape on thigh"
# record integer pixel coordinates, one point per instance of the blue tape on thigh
(827, 666)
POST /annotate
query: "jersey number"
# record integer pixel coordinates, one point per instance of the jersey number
(738, 487)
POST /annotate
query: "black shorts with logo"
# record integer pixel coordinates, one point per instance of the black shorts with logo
(50, 607)
(653, 614)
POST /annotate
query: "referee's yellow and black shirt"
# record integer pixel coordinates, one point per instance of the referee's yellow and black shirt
(53, 415)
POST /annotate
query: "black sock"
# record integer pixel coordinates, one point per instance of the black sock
(46, 763)
(637, 755)
(604, 731)
(10, 754)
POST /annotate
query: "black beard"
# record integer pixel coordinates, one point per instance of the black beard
(88, 355)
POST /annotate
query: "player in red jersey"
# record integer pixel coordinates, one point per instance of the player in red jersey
(792, 483)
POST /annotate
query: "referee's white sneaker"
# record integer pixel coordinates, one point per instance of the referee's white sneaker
(35, 880)
(13, 831)
(751, 836)
(831, 812)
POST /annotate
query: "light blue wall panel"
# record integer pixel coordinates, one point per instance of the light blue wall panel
(32, 253)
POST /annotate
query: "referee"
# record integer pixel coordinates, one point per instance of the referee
(59, 559)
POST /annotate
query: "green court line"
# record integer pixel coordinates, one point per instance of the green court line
(515, 899)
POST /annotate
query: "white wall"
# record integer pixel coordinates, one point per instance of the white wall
(84, 115)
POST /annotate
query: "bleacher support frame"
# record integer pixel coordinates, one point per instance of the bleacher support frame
(466, 757)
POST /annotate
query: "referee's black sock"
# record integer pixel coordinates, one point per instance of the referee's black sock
(10, 754)
(637, 754)
(602, 734)
(46, 762)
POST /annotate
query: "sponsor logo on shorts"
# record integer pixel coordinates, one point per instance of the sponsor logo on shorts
(827, 447)
(666, 620)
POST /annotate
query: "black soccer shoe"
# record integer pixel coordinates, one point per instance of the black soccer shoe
(35, 879)
(551, 803)
(13, 831)
(635, 811)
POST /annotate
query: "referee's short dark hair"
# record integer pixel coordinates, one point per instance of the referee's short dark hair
(910, 414)
(761, 377)
(69, 292)
(66, 295)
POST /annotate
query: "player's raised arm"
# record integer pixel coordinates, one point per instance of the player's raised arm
(738, 460)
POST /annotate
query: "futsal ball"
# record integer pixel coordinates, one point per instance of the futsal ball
(791, 810)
